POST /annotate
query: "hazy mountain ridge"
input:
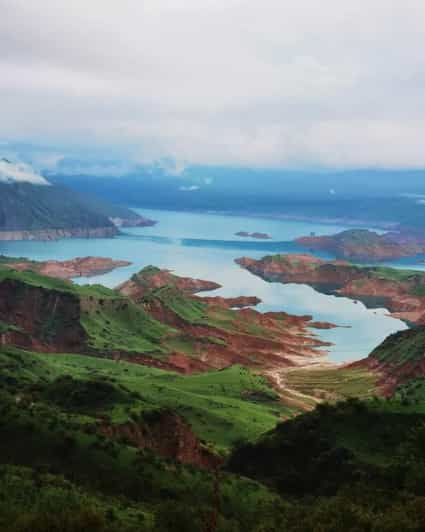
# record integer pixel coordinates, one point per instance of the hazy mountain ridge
(32, 208)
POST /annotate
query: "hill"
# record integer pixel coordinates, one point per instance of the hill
(149, 408)
(152, 319)
(32, 208)
(355, 466)
(400, 363)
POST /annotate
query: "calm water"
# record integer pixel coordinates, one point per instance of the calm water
(204, 246)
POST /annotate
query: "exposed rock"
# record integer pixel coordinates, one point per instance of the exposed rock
(220, 339)
(49, 320)
(168, 435)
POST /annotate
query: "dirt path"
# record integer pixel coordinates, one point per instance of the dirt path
(289, 395)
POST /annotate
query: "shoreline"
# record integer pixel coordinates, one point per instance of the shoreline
(380, 226)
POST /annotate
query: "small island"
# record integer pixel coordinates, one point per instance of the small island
(259, 236)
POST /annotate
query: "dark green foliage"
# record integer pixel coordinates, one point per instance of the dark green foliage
(401, 347)
(335, 447)
(79, 395)
(29, 207)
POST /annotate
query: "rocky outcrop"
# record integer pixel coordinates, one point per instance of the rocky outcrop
(168, 435)
(57, 234)
(47, 320)
(68, 269)
(151, 278)
(364, 245)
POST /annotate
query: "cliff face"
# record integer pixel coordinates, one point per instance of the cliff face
(168, 435)
(48, 320)
(403, 293)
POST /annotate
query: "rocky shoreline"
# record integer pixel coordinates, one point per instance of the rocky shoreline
(402, 293)
(67, 269)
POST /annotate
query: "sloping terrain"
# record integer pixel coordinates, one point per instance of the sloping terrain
(102, 457)
(31, 211)
(119, 442)
(398, 360)
(153, 319)
(355, 466)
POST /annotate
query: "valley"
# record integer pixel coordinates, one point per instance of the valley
(151, 380)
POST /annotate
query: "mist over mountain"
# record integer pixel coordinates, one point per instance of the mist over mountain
(384, 196)
(33, 208)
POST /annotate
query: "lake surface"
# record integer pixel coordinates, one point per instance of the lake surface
(205, 246)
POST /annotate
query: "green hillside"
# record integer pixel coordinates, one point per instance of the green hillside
(110, 321)
(71, 477)
(352, 466)
(27, 207)
(30, 207)
(402, 347)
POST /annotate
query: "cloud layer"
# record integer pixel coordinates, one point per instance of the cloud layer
(19, 173)
(275, 83)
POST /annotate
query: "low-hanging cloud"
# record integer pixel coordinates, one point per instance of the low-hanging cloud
(272, 83)
(19, 173)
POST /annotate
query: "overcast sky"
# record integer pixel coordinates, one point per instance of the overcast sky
(334, 83)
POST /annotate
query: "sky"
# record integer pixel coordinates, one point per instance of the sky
(276, 83)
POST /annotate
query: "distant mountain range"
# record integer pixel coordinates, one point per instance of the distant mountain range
(33, 208)
(364, 197)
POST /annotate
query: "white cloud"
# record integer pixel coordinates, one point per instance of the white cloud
(19, 173)
(272, 83)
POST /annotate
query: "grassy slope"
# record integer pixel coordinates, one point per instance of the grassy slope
(331, 447)
(222, 406)
(28, 207)
(111, 481)
(402, 347)
(112, 321)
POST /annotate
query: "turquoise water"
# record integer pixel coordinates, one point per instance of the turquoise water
(204, 246)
